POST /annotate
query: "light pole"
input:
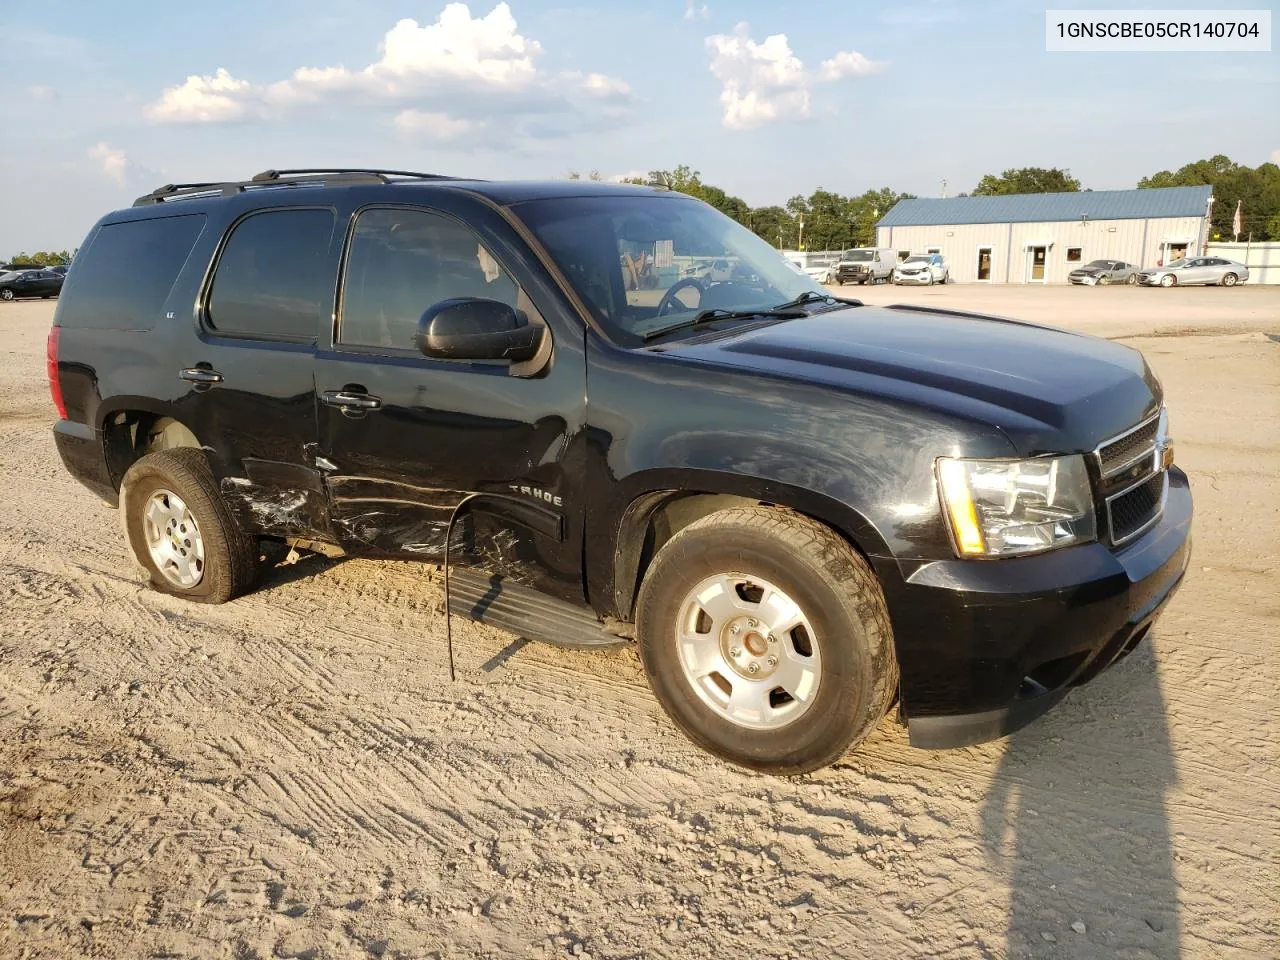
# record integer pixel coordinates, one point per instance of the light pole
(800, 236)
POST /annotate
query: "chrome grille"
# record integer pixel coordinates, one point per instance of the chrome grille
(1115, 455)
(1133, 480)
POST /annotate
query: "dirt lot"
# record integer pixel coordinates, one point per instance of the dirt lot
(293, 775)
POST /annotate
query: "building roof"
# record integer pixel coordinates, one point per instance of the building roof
(1050, 207)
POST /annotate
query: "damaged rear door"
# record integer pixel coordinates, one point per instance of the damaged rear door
(403, 439)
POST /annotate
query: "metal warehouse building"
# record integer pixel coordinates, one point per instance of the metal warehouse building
(1041, 237)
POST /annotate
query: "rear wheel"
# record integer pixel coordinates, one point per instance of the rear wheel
(1229, 280)
(6, 294)
(766, 638)
(181, 531)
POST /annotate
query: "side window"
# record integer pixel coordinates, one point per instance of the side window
(271, 282)
(123, 275)
(401, 262)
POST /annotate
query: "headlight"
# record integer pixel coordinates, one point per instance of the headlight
(1001, 508)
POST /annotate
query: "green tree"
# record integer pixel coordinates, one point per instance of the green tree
(1255, 189)
(1027, 180)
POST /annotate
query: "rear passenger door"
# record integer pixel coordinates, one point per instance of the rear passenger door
(404, 438)
(248, 371)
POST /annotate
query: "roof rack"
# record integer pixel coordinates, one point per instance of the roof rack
(282, 178)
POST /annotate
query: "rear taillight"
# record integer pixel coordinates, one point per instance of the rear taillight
(51, 367)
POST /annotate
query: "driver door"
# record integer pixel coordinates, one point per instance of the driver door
(403, 438)
(1196, 271)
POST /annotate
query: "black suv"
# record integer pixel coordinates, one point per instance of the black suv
(804, 510)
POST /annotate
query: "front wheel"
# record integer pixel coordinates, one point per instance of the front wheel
(766, 638)
(181, 531)
(1168, 280)
(1229, 280)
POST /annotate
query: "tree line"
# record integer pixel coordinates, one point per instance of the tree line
(826, 220)
(41, 258)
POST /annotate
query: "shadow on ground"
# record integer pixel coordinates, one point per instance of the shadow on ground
(1076, 820)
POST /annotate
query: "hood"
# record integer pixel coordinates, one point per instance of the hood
(1048, 390)
(1090, 271)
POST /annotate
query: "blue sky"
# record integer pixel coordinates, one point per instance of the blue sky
(767, 100)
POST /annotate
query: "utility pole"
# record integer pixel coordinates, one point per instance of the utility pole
(944, 188)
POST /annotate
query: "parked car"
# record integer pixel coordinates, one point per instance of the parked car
(18, 284)
(865, 265)
(804, 511)
(823, 273)
(927, 268)
(1195, 270)
(1102, 272)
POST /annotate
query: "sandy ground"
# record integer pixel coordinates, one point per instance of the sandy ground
(292, 775)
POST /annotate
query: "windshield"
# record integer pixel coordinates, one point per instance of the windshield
(1180, 262)
(1097, 265)
(645, 263)
(916, 260)
(856, 256)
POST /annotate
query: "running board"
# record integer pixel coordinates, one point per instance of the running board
(527, 613)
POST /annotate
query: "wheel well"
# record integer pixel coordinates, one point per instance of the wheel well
(131, 434)
(655, 518)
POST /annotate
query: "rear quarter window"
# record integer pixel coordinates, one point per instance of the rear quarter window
(123, 277)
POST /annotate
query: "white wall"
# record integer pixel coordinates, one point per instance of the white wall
(1262, 259)
(1136, 241)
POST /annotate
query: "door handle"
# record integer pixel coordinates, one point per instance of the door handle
(200, 375)
(348, 400)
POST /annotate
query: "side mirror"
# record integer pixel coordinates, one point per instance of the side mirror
(471, 328)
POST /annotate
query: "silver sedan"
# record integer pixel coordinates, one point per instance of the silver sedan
(1192, 270)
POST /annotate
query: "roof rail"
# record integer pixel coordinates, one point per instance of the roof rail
(280, 178)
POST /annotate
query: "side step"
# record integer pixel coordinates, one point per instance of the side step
(528, 613)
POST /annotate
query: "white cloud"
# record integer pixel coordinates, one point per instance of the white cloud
(629, 175)
(220, 98)
(696, 11)
(1275, 156)
(111, 160)
(848, 63)
(437, 126)
(444, 79)
(763, 82)
(42, 94)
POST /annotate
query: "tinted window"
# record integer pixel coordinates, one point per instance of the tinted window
(272, 280)
(403, 261)
(123, 276)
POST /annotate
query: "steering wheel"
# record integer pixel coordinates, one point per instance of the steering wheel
(668, 301)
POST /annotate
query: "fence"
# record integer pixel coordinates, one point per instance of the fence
(1262, 259)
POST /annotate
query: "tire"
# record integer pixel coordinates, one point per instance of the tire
(228, 561)
(1229, 279)
(929, 282)
(1104, 281)
(1168, 280)
(6, 294)
(851, 667)
(1132, 280)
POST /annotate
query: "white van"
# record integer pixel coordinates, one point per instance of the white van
(866, 264)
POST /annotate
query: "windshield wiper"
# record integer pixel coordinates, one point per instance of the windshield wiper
(785, 312)
(812, 296)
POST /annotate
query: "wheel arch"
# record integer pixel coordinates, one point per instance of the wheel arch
(131, 430)
(669, 503)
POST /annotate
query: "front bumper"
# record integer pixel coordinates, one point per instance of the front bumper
(985, 647)
(920, 278)
(1087, 279)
